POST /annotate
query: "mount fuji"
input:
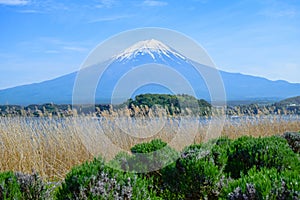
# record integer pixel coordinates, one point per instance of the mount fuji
(148, 53)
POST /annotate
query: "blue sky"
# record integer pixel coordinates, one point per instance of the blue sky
(43, 39)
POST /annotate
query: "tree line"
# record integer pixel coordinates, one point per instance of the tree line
(173, 104)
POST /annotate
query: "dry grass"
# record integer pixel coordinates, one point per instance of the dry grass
(53, 146)
(42, 145)
(265, 126)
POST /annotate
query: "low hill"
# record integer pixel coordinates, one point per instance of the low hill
(291, 101)
(174, 103)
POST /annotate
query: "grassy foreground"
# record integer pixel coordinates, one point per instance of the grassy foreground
(244, 168)
(51, 147)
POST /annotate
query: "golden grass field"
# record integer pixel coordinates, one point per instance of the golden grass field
(53, 146)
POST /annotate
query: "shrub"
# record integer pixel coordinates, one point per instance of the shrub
(195, 174)
(264, 184)
(271, 152)
(148, 147)
(151, 156)
(9, 187)
(293, 140)
(153, 159)
(32, 187)
(95, 180)
(22, 186)
(219, 151)
(121, 161)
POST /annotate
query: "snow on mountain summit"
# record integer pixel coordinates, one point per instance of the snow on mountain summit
(151, 47)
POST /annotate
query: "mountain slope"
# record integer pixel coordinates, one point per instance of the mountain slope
(237, 86)
(57, 90)
(246, 87)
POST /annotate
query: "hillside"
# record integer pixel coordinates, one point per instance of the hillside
(174, 104)
(291, 101)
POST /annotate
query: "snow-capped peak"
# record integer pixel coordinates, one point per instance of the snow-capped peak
(151, 47)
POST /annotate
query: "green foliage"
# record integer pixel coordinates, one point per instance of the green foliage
(151, 156)
(175, 104)
(219, 151)
(121, 161)
(196, 174)
(148, 147)
(293, 140)
(270, 152)
(151, 160)
(264, 184)
(197, 178)
(9, 186)
(32, 187)
(22, 186)
(94, 180)
(262, 168)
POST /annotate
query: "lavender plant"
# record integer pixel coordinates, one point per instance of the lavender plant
(95, 180)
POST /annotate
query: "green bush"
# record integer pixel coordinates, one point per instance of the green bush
(195, 174)
(32, 187)
(264, 184)
(151, 156)
(219, 149)
(148, 147)
(293, 140)
(121, 161)
(94, 180)
(22, 186)
(153, 159)
(9, 186)
(270, 152)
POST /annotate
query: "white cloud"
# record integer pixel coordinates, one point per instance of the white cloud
(74, 48)
(29, 11)
(154, 3)
(14, 2)
(52, 51)
(105, 3)
(110, 18)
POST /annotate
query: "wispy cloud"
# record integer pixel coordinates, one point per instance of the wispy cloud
(154, 3)
(45, 6)
(51, 45)
(202, 1)
(110, 18)
(75, 48)
(279, 13)
(105, 3)
(276, 9)
(14, 2)
(30, 11)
